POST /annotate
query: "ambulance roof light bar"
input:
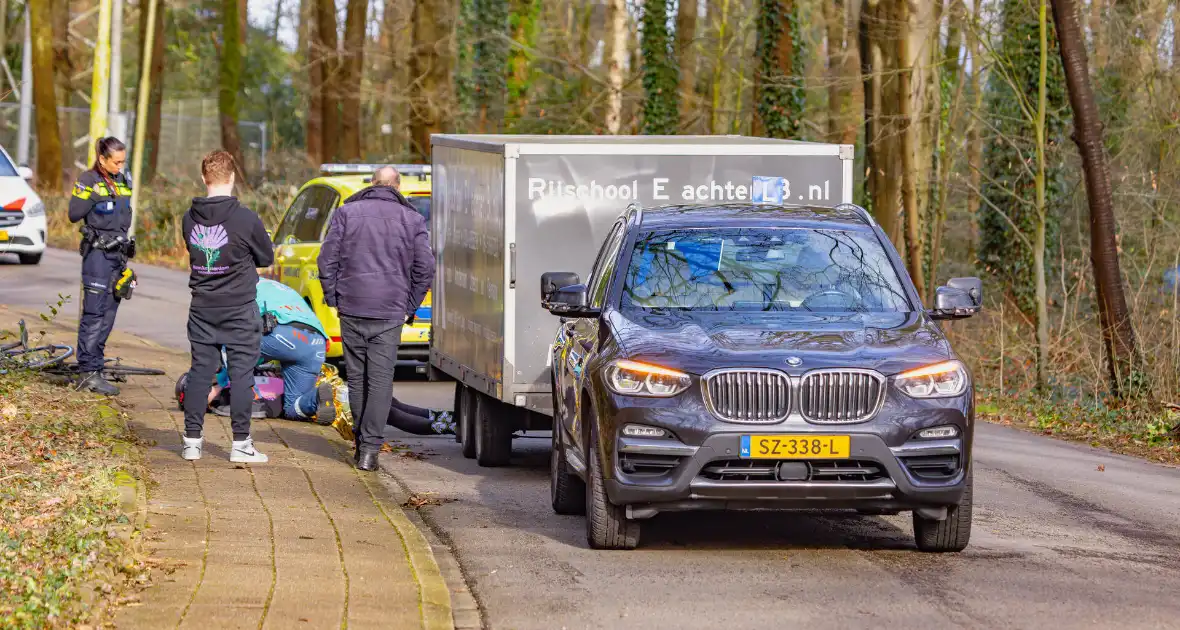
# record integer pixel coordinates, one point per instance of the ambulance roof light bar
(421, 170)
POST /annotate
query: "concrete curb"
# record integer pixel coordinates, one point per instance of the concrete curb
(435, 603)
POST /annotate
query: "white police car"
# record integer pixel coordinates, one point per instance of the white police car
(22, 213)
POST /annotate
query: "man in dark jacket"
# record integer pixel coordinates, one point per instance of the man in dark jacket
(375, 267)
(226, 244)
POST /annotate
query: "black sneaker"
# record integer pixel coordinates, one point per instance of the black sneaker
(94, 382)
(325, 413)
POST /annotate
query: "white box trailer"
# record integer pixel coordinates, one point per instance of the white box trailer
(507, 208)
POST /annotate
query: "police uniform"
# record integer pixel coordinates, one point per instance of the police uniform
(103, 205)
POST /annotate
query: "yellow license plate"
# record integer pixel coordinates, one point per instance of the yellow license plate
(795, 446)
(3, 235)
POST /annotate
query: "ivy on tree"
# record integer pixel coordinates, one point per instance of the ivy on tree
(1009, 159)
(780, 95)
(661, 77)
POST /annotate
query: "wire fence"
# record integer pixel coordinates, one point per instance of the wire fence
(188, 130)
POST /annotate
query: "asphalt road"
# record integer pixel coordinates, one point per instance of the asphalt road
(1064, 536)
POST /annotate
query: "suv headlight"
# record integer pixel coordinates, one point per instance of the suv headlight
(632, 378)
(940, 380)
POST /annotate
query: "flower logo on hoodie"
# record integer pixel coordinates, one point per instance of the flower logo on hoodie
(209, 239)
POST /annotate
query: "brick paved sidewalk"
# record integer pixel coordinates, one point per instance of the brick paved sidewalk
(303, 541)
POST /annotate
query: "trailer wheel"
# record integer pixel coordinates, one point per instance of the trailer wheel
(467, 419)
(456, 412)
(493, 435)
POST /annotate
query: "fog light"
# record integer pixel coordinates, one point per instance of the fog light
(938, 433)
(639, 430)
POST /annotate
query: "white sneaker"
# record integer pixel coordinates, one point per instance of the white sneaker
(192, 448)
(244, 453)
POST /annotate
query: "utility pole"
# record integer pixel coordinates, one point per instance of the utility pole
(100, 81)
(24, 128)
(118, 122)
(141, 110)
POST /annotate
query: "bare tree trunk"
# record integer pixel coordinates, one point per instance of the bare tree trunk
(616, 18)
(327, 47)
(909, 175)
(686, 35)
(353, 71)
(948, 148)
(974, 137)
(433, 69)
(49, 165)
(313, 51)
(1098, 33)
(716, 84)
(842, 72)
(274, 29)
(1175, 39)
(401, 36)
(1118, 335)
(233, 20)
(1042, 291)
(882, 99)
(155, 95)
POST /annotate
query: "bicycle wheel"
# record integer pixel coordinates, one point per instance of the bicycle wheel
(39, 358)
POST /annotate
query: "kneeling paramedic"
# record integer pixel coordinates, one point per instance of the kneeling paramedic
(101, 201)
(293, 336)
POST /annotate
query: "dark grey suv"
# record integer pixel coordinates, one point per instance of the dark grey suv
(754, 357)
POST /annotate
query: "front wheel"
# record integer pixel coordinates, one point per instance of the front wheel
(951, 534)
(567, 492)
(607, 526)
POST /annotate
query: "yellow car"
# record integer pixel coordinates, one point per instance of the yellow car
(298, 238)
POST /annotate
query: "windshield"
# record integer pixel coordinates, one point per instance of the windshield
(763, 269)
(422, 205)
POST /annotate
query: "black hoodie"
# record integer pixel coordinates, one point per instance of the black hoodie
(226, 244)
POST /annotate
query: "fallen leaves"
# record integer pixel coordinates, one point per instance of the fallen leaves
(419, 500)
(1101, 468)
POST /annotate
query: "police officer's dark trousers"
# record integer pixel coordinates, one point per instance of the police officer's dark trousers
(100, 271)
(239, 330)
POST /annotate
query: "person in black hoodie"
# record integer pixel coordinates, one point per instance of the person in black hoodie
(226, 244)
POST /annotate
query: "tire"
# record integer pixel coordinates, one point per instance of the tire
(456, 408)
(567, 492)
(467, 420)
(29, 259)
(607, 526)
(493, 436)
(951, 534)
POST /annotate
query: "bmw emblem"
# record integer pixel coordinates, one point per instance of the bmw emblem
(794, 361)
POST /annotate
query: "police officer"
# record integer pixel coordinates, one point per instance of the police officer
(102, 202)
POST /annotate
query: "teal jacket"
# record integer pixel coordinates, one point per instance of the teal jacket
(287, 305)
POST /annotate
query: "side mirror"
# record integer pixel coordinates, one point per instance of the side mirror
(25, 173)
(552, 281)
(569, 301)
(960, 298)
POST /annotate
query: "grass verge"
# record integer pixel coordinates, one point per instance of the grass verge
(1143, 428)
(67, 549)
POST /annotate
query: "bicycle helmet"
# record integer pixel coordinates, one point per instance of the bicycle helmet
(180, 384)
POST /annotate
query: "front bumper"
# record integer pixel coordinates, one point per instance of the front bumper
(27, 237)
(690, 484)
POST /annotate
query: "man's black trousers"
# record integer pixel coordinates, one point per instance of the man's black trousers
(370, 356)
(239, 330)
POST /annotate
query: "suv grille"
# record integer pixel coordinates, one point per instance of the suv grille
(817, 470)
(837, 396)
(749, 396)
(11, 218)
